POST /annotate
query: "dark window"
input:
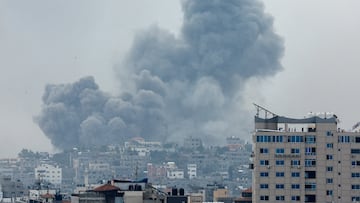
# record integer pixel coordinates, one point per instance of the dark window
(310, 198)
(295, 198)
(264, 197)
(295, 186)
(310, 174)
(295, 138)
(264, 162)
(264, 186)
(295, 174)
(357, 139)
(280, 174)
(264, 174)
(310, 186)
(279, 186)
(264, 150)
(310, 139)
(355, 187)
(280, 198)
(355, 175)
(355, 151)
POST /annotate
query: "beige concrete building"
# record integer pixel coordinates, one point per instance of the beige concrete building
(220, 193)
(305, 160)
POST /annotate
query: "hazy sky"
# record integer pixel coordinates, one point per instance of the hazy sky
(45, 42)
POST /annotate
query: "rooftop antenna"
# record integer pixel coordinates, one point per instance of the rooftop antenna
(260, 108)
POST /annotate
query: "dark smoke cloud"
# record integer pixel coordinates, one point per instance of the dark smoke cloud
(177, 85)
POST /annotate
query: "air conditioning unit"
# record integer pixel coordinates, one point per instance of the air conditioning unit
(298, 166)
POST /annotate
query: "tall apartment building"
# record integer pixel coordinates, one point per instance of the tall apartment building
(304, 160)
(49, 173)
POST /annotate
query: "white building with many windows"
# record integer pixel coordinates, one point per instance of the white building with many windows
(192, 171)
(304, 160)
(48, 173)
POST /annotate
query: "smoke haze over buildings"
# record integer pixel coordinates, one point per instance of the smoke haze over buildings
(172, 86)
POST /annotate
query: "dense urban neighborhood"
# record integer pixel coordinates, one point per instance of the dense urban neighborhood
(190, 166)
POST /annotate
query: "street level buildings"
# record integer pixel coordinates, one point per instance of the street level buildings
(305, 160)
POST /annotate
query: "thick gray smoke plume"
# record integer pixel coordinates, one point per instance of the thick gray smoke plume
(177, 86)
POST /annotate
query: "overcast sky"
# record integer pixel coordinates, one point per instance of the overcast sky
(45, 42)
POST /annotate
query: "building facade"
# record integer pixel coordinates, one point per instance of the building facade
(305, 160)
(49, 173)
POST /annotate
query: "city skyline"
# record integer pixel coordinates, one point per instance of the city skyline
(319, 64)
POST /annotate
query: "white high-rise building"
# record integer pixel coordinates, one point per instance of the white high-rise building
(192, 171)
(305, 160)
(48, 173)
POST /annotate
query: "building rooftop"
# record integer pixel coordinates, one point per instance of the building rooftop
(282, 119)
(106, 187)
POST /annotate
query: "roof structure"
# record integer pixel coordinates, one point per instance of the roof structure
(106, 188)
(282, 119)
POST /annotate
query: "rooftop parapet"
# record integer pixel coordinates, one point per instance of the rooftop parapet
(282, 119)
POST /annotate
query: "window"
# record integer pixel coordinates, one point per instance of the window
(310, 186)
(329, 168)
(310, 139)
(329, 181)
(295, 174)
(329, 192)
(355, 163)
(295, 138)
(310, 174)
(295, 151)
(263, 138)
(357, 139)
(278, 138)
(343, 139)
(310, 151)
(280, 174)
(329, 157)
(329, 133)
(264, 197)
(355, 175)
(310, 162)
(355, 187)
(355, 151)
(264, 174)
(268, 138)
(295, 162)
(279, 151)
(279, 186)
(264, 150)
(280, 162)
(264, 186)
(329, 145)
(280, 198)
(295, 198)
(264, 162)
(355, 199)
(295, 186)
(310, 198)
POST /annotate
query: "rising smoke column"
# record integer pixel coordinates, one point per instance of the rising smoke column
(177, 86)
